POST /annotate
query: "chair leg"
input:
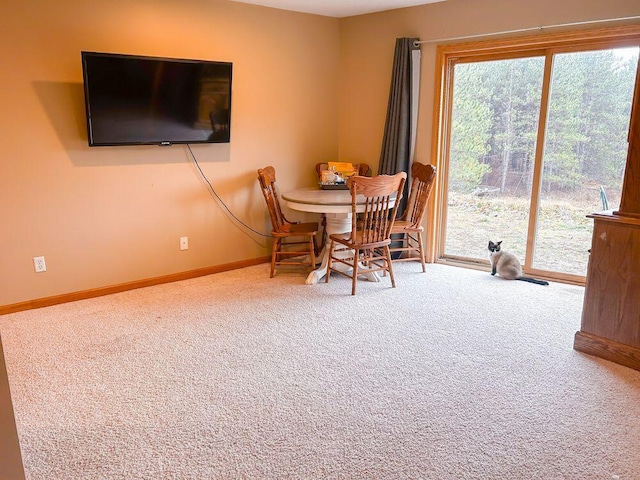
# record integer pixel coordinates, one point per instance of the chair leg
(323, 238)
(274, 255)
(381, 253)
(354, 280)
(421, 251)
(390, 265)
(312, 251)
(329, 262)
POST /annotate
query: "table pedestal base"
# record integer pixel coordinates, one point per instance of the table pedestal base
(337, 223)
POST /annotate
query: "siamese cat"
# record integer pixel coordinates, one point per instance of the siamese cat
(507, 265)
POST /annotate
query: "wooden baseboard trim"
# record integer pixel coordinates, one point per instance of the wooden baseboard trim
(122, 287)
(608, 349)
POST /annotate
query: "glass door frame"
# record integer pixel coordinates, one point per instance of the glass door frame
(447, 56)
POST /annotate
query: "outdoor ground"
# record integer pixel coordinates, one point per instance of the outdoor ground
(564, 231)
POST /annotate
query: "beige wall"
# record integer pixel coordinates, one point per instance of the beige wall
(108, 215)
(306, 89)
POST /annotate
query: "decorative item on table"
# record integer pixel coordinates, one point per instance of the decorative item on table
(335, 178)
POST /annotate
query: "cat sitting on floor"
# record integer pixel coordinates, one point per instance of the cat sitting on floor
(507, 265)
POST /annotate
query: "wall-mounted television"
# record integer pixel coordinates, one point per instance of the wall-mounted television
(139, 100)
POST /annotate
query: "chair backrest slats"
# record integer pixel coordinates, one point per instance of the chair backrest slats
(423, 178)
(382, 196)
(267, 178)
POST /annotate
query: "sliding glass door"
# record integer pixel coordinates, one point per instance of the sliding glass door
(585, 152)
(535, 141)
(492, 148)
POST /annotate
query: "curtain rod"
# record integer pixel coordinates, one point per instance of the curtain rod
(520, 30)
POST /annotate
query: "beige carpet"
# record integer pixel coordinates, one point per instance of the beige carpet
(453, 375)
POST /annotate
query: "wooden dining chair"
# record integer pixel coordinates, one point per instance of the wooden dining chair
(409, 225)
(285, 252)
(374, 203)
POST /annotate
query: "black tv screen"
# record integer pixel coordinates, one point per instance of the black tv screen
(137, 100)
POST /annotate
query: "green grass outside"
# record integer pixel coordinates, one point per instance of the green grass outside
(564, 231)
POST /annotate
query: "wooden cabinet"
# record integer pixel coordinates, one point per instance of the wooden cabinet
(611, 315)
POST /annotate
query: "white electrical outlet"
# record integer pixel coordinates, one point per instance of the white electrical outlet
(39, 265)
(184, 243)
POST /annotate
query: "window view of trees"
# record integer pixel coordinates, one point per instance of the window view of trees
(589, 121)
(495, 120)
(494, 126)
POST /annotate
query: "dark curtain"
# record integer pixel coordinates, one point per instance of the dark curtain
(396, 144)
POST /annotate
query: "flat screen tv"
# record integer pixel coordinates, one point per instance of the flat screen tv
(138, 100)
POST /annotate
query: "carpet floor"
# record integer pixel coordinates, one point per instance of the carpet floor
(454, 374)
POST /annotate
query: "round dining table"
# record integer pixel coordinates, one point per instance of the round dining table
(336, 207)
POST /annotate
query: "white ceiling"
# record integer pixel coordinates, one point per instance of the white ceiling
(338, 8)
